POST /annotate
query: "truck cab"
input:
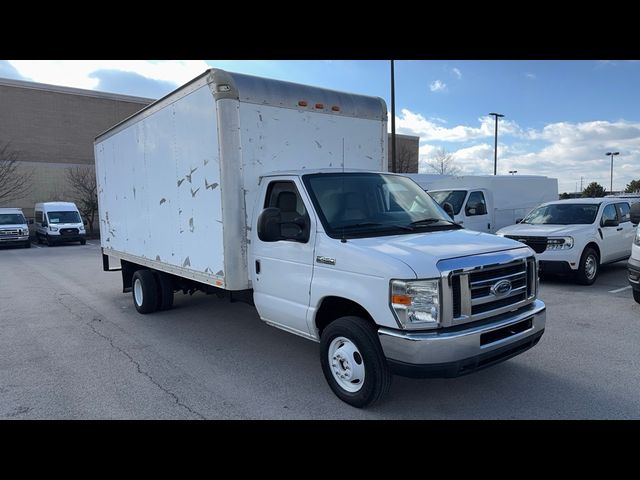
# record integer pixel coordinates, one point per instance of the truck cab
(367, 264)
(472, 208)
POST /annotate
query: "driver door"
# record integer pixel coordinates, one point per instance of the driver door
(281, 270)
(476, 216)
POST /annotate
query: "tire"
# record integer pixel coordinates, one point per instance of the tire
(636, 296)
(49, 241)
(27, 244)
(347, 340)
(144, 291)
(38, 239)
(589, 267)
(83, 242)
(165, 291)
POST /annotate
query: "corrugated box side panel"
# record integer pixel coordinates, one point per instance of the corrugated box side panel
(158, 188)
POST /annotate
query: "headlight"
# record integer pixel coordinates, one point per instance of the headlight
(559, 243)
(53, 229)
(416, 304)
(500, 234)
(636, 240)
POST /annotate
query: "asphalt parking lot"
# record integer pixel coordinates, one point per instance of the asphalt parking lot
(72, 346)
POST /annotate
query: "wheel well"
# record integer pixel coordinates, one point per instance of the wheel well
(595, 247)
(333, 308)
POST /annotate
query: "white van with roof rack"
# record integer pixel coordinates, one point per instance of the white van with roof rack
(59, 222)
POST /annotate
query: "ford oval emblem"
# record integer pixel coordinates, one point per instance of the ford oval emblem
(503, 287)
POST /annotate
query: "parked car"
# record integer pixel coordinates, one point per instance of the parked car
(58, 222)
(14, 229)
(576, 236)
(633, 266)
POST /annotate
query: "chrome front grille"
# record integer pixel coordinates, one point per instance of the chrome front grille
(9, 233)
(486, 291)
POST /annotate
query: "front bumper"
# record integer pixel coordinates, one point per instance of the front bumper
(463, 349)
(569, 257)
(67, 238)
(560, 267)
(14, 239)
(633, 268)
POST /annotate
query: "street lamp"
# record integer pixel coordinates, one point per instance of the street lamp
(495, 146)
(611, 154)
(513, 172)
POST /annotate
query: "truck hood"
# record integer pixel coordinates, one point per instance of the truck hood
(422, 251)
(14, 226)
(527, 230)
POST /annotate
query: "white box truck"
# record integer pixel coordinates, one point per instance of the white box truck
(276, 191)
(487, 203)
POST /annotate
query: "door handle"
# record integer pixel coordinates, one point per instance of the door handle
(258, 266)
(618, 229)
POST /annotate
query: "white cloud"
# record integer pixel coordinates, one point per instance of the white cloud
(530, 76)
(415, 124)
(438, 86)
(76, 73)
(457, 73)
(562, 150)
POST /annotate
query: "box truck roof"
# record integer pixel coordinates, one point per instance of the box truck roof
(266, 91)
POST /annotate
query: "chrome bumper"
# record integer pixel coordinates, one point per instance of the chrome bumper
(457, 344)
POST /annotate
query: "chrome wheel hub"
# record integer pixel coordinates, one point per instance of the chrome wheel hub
(347, 364)
(590, 267)
(137, 291)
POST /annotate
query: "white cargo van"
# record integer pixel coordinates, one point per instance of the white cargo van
(14, 229)
(276, 192)
(59, 222)
(487, 203)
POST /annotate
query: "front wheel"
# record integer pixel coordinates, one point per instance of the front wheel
(353, 362)
(636, 296)
(589, 267)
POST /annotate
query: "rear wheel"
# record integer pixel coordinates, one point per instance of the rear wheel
(165, 291)
(589, 267)
(353, 362)
(636, 296)
(145, 291)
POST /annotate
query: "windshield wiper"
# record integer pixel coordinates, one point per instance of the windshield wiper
(427, 221)
(373, 224)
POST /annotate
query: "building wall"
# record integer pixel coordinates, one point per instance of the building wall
(406, 153)
(52, 128)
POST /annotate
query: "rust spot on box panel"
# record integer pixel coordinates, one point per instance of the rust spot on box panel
(186, 263)
(180, 181)
(162, 200)
(194, 192)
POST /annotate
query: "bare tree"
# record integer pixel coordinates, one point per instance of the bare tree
(442, 163)
(82, 182)
(404, 163)
(13, 184)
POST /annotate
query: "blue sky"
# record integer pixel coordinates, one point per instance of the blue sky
(560, 116)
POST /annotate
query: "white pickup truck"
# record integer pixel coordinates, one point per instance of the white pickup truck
(277, 192)
(576, 236)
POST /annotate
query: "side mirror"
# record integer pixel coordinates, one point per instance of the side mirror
(447, 207)
(610, 223)
(31, 221)
(301, 226)
(518, 220)
(44, 224)
(269, 225)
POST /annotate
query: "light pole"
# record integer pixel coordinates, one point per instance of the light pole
(495, 146)
(393, 118)
(513, 172)
(611, 154)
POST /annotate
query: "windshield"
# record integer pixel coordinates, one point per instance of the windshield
(563, 214)
(371, 204)
(12, 219)
(64, 217)
(454, 197)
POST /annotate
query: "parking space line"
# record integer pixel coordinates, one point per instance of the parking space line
(35, 245)
(620, 289)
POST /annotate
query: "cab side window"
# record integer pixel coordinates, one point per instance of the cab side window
(285, 196)
(624, 212)
(609, 213)
(476, 205)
